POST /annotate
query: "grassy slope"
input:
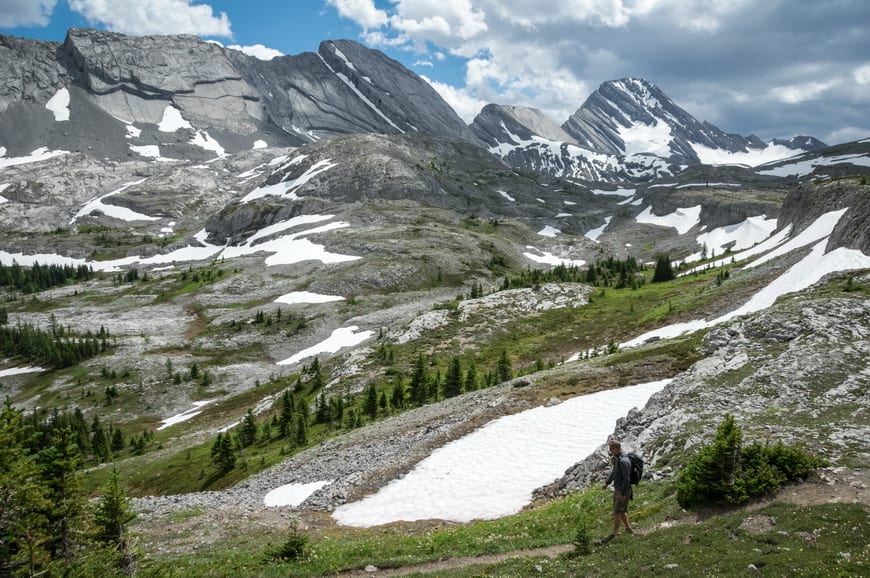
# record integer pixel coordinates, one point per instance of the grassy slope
(813, 540)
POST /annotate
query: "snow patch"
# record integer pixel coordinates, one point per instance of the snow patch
(292, 494)
(59, 105)
(546, 258)
(595, 233)
(172, 120)
(805, 167)
(493, 471)
(751, 157)
(683, 219)
(549, 231)
(341, 337)
(295, 297)
(184, 416)
(40, 154)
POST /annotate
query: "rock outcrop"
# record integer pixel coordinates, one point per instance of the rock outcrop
(795, 373)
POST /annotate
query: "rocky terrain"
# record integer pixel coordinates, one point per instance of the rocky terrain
(336, 192)
(796, 373)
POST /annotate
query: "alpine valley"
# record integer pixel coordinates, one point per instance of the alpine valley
(231, 276)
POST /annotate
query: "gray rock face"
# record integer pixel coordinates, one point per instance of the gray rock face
(757, 369)
(620, 105)
(506, 123)
(220, 95)
(31, 71)
(527, 139)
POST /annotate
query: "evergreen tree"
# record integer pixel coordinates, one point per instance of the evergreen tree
(65, 514)
(370, 406)
(113, 512)
(301, 439)
(663, 271)
(117, 444)
(322, 412)
(285, 422)
(23, 500)
(503, 370)
(471, 377)
(419, 379)
(248, 431)
(397, 398)
(99, 441)
(317, 382)
(223, 453)
(453, 379)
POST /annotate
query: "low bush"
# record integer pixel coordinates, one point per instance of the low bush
(724, 472)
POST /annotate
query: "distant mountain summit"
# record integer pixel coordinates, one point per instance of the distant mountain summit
(628, 129)
(633, 116)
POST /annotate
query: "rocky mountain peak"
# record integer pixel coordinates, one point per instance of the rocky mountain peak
(497, 123)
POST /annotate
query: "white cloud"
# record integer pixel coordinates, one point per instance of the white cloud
(25, 12)
(447, 22)
(461, 100)
(798, 93)
(154, 17)
(862, 74)
(730, 62)
(532, 13)
(698, 16)
(258, 51)
(363, 12)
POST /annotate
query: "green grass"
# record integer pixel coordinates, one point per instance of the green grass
(821, 540)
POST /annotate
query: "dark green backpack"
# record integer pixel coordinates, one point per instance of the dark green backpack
(636, 467)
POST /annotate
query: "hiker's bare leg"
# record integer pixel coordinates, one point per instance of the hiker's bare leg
(626, 524)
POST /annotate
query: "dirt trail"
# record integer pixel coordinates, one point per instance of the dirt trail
(831, 486)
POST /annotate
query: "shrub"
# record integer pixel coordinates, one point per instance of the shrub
(724, 472)
(294, 547)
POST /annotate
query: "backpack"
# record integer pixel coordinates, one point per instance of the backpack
(636, 467)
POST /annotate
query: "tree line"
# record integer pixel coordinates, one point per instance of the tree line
(55, 346)
(41, 277)
(47, 525)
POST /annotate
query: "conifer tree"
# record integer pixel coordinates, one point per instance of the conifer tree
(471, 377)
(301, 439)
(23, 500)
(285, 422)
(419, 379)
(663, 271)
(370, 406)
(503, 369)
(248, 431)
(453, 379)
(397, 398)
(99, 441)
(113, 512)
(223, 453)
(65, 514)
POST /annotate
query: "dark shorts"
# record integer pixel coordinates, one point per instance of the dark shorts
(620, 503)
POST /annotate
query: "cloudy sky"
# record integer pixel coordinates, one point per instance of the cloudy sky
(773, 68)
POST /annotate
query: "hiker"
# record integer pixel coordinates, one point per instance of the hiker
(620, 475)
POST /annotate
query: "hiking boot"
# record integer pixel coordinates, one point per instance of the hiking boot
(607, 539)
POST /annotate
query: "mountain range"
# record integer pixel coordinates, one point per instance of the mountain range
(126, 93)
